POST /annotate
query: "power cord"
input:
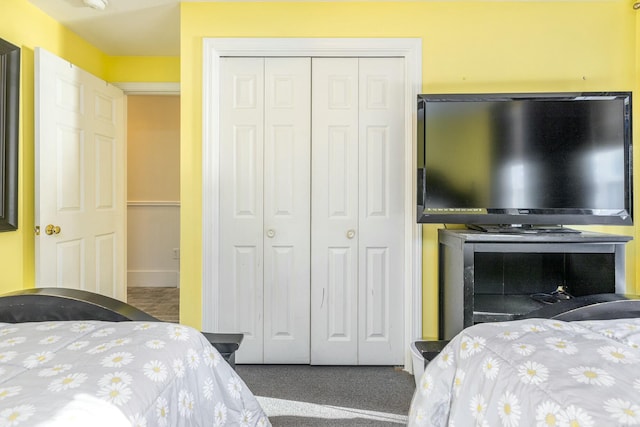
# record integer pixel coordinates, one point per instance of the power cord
(560, 294)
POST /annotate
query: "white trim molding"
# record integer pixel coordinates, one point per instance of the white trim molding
(153, 279)
(153, 203)
(148, 88)
(215, 48)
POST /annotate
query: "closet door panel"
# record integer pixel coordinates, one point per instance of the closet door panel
(334, 207)
(240, 299)
(338, 295)
(287, 228)
(381, 211)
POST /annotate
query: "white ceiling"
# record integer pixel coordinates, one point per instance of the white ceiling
(124, 27)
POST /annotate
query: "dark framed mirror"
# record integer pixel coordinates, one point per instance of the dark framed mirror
(9, 116)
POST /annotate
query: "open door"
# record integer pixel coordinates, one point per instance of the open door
(80, 179)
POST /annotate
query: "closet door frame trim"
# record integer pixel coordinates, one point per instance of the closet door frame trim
(410, 49)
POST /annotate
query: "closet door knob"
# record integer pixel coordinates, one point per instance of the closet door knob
(351, 234)
(271, 233)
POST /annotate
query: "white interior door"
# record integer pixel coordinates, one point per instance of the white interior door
(241, 209)
(381, 212)
(80, 179)
(334, 235)
(287, 150)
(264, 214)
(358, 211)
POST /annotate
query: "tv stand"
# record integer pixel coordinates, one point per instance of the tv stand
(491, 277)
(521, 228)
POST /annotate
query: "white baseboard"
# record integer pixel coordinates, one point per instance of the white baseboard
(153, 278)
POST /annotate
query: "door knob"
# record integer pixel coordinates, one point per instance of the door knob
(351, 234)
(271, 233)
(52, 229)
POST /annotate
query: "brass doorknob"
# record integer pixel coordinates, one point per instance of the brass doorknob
(52, 229)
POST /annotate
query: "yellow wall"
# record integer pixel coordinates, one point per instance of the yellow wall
(143, 69)
(475, 46)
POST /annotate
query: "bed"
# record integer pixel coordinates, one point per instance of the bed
(73, 358)
(562, 371)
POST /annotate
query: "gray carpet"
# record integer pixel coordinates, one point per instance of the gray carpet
(302, 395)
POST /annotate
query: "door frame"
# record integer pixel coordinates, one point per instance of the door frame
(410, 49)
(143, 88)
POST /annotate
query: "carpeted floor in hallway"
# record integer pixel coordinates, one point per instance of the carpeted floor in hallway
(162, 303)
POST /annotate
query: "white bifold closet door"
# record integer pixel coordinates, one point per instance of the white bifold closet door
(357, 270)
(264, 207)
(311, 209)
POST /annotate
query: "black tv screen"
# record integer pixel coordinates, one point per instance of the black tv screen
(525, 159)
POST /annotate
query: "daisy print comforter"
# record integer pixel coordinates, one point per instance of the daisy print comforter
(534, 372)
(93, 373)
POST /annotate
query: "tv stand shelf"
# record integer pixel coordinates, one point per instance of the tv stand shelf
(490, 277)
(498, 307)
(523, 229)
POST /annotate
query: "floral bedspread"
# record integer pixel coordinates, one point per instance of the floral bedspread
(95, 374)
(534, 372)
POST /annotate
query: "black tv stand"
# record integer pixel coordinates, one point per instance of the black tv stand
(521, 229)
(490, 277)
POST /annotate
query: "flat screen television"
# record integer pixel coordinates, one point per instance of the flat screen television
(525, 161)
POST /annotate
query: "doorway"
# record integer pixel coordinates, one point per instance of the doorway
(153, 202)
(215, 49)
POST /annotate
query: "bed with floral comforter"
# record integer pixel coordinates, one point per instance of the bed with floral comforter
(534, 372)
(94, 373)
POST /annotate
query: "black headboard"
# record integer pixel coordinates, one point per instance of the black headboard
(48, 304)
(591, 307)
